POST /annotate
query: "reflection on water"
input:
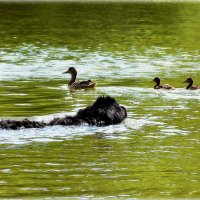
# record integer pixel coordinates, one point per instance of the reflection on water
(122, 46)
(51, 62)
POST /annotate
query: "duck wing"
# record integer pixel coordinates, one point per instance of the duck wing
(83, 84)
(194, 87)
(167, 87)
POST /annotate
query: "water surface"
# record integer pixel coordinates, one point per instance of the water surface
(122, 47)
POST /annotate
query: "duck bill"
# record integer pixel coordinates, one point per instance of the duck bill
(185, 81)
(65, 72)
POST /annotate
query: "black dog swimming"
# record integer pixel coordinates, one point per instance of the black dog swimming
(104, 111)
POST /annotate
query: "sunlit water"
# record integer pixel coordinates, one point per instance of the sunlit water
(122, 47)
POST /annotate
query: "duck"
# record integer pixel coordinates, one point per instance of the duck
(191, 86)
(79, 84)
(158, 86)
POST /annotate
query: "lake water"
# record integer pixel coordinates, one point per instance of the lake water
(121, 46)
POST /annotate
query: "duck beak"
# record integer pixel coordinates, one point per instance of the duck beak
(65, 72)
(185, 81)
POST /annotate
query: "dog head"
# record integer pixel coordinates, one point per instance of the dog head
(104, 111)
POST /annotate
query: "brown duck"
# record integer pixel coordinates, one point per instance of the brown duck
(79, 84)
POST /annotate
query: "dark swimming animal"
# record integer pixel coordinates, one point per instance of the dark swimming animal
(79, 84)
(158, 86)
(104, 111)
(190, 85)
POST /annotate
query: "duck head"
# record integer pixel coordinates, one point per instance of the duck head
(71, 70)
(156, 80)
(189, 80)
(73, 73)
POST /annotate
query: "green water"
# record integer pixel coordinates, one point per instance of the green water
(122, 47)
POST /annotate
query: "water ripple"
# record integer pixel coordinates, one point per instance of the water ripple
(29, 61)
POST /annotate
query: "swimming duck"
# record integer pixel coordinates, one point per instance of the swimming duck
(190, 86)
(79, 84)
(158, 86)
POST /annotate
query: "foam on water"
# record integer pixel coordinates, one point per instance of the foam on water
(59, 133)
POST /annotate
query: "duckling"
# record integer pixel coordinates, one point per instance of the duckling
(79, 84)
(190, 86)
(158, 86)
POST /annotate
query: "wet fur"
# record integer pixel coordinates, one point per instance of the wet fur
(105, 111)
